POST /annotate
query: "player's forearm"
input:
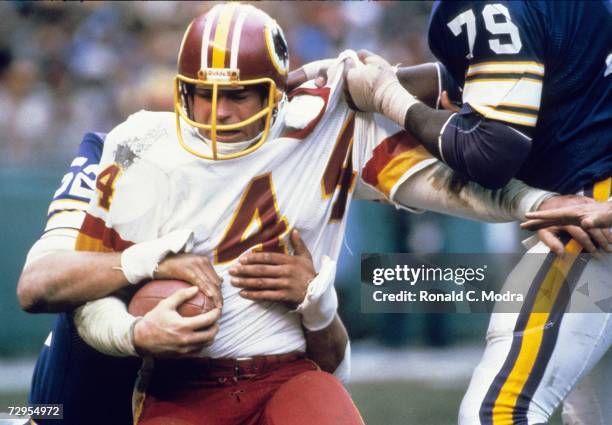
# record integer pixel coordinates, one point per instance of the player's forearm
(61, 281)
(106, 325)
(422, 81)
(426, 124)
(438, 188)
(327, 347)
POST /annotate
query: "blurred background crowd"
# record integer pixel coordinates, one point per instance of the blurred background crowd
(69, 67)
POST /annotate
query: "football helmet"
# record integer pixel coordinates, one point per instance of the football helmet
(231, 46)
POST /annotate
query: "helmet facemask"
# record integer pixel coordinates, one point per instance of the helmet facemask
(257, 57)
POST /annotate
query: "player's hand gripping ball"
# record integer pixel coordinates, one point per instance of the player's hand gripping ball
(151, 293)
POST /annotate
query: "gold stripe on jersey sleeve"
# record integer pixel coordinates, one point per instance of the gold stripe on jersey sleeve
(501, 80)
(506, 67)
(398, 166)
(221, 35)
(518, 105)
(507, 116)
(67, 204)
(87, 243)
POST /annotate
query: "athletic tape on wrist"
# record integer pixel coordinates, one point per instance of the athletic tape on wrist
(321, 302)
(394, 101)
(140, 261)
(106, 325)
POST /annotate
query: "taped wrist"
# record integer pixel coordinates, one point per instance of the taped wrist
(393, 101)
(106, 325)
(321, 302)
(140, 261)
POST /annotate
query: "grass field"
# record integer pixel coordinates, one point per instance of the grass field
(380, 403)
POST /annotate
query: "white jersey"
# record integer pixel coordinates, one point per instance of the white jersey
(301, 178)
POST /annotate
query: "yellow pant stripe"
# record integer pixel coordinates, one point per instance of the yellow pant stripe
(601, 190)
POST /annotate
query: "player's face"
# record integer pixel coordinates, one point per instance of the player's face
(233, 106)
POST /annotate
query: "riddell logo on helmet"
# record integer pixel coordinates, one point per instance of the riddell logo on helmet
(216, 74)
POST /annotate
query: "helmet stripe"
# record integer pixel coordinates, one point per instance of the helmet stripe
(210, 18)
(236, 39)
(221, 33)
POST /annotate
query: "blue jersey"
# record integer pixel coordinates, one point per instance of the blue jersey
(545, 68)
(94, 388)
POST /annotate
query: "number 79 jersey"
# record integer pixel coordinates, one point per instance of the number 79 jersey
(304, 176)
(544, 68)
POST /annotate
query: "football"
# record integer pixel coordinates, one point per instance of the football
(151, 293)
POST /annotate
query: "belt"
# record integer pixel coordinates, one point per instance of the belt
(207, 368)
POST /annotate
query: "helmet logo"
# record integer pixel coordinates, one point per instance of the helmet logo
(277, 47)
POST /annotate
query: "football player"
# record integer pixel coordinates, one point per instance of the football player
(97, 276)
(536, 105)
(68, 371)
(227, 177)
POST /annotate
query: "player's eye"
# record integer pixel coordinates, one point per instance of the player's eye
(204, 93)
(237, 96)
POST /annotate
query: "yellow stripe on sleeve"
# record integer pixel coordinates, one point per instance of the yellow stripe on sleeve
(398, 166)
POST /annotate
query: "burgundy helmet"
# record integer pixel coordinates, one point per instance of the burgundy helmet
(231, 46)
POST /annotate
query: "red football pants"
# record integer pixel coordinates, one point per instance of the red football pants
(269, 390)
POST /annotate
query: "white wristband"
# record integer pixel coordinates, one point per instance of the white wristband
(321, 302)
(394, 101)
(140, 261)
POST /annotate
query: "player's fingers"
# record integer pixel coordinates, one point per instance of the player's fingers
(258, 270)
(600, 239)
(582, 237)
(203, 337)
(197, 277)
(179, 297)
(608, 234)
(275, 296)
(206, 268)
(215, 294)
(258, 283)
(202, 321)
(296, 78)
(299, 247)
(264, 258)
(321, 79)
(549, 239)
(363, 54)
(536, 224)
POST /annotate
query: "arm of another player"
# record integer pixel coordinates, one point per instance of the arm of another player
(438, 188)
(431, 83)
(491, 153)
(61, 281)
(293, 280)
